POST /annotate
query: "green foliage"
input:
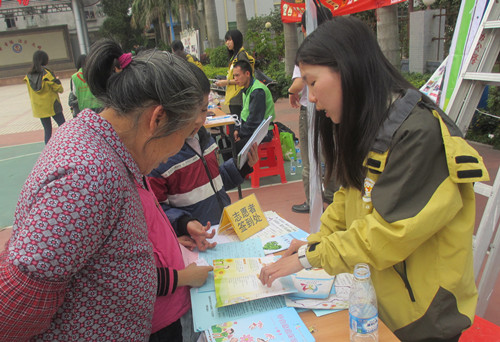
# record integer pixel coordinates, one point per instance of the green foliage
(276, 70)
(267, 45)
(212, 71)
(117, 24)
(218, 56)
(416, 79)
(485, 128)
(258, 23)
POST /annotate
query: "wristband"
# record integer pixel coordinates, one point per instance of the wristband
(290, 93)
(303, 258)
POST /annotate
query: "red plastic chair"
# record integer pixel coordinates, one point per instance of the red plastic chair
(270, 162)
(481, 331)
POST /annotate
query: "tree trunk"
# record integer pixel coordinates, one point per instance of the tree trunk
(291, 46)
(163, 30)
(212, 24)
(183, 15)
(241, 17)
(388, 34)
(193, 17)
(202, 23)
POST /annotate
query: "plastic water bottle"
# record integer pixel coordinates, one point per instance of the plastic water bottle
(363, 312)
(299, 158)
(293, 169)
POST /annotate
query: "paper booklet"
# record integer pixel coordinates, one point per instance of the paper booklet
(257, 136)
(314, 283)
(237, 280)
(338, 298)
(277, 325)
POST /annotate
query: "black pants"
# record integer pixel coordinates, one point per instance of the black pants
(242, 142)
(171, 333)
(47, 125)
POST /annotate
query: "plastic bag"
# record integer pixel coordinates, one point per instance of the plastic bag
(287, 145)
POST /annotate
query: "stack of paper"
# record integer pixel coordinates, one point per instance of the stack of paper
(277, 325)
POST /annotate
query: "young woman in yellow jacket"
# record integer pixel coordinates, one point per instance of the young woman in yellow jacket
(234, 44)
(44, 88)
(406, 203)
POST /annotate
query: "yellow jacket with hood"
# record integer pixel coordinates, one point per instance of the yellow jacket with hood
(233, 91)
(44, 90)
(413, 223)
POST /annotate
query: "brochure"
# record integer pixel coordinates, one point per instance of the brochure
(338, 298)
(237, 280)
(280, 243)
(278, 325)
(314, 283)
(257, 137)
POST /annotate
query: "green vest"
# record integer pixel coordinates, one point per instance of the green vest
(269, 101)
(85, 98)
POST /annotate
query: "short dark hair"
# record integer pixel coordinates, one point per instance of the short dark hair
(80, 61)
(152, 78)
(177, 45)
(323, 14)
(244, 66)
(368, 80)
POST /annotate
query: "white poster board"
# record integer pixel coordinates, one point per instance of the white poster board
(191, 40)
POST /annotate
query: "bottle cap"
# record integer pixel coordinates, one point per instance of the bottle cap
(362, 271)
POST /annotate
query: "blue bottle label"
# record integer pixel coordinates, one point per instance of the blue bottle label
(363, 325)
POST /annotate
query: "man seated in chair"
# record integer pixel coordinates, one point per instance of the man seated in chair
(258, 105)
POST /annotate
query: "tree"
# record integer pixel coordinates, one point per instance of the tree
(241, 17)
(291, 46)
(146, 12)
(182, 14)
(388, 34)
(212, 23)
(117, 24)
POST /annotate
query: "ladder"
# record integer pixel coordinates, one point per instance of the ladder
(476, 71)
(488, 229)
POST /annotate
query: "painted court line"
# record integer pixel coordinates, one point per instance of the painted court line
(21, 156)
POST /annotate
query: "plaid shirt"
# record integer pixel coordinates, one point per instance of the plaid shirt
(79, 265)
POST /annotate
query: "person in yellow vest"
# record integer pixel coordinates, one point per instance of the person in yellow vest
(44, 88)
(234, 96)
(178, 50)
(81, 97)
(258, 105)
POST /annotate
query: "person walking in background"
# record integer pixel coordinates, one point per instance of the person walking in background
(80, 96)
(44, 88)
(406, 204)
(236, 51)
(178, 50)
(297, 96)
(79, 265)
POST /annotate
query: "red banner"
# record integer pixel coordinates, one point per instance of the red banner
(291, 12)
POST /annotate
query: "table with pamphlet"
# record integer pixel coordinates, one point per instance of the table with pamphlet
(228, 307)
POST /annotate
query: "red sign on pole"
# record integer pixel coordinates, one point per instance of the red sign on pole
(291, 12)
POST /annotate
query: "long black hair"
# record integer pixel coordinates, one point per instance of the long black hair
(152, 78)
(40, 59)
(369, 83)
(237, 38)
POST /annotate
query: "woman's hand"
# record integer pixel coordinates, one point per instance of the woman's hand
(283, 267)
(187, 242)
(200, 234)
(294, 247)
(193, 275)
(221, 83)
(253, 155)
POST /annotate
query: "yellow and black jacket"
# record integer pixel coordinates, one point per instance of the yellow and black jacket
(413, 223)
(233, 91)
(44, 90)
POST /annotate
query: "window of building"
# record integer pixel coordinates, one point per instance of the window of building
(10, 21)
